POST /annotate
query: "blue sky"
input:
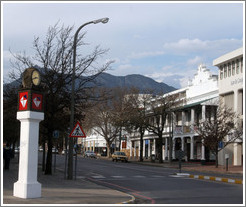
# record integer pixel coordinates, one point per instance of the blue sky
(162, 40)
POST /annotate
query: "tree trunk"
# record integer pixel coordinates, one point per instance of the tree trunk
(170, 145)
(159, 147)
(43, 160)
(141, 148)
(48, 169)
(216, 159)
(108, 150)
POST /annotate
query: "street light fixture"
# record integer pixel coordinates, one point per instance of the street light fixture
(71, 143)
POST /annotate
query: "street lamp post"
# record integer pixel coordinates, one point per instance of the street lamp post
(71, 141)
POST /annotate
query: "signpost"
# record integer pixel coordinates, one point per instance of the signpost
(55, 136)
(180, 156)
(75, 133)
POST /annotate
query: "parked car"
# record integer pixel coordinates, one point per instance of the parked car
(90, 154)
(119, 156)
(64, 152)
(17, 149)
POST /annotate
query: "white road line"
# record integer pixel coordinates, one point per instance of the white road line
(80, 177)
(118, 176)
(138, 176)
(98, 176)
(157, 176)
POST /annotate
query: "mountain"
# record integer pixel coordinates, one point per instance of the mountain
(106, 80)
(141, 82)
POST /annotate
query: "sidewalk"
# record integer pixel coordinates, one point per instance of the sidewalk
(196, 170)
(57, 190)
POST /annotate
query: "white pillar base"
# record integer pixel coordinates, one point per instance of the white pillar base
(27, 185)
(27, 190)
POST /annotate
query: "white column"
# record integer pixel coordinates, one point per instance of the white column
(203, 118)
(182, 144)
(143, 148)
(237, 154)
(192, 148)
(27, 185)
(135, 149)
(183, 121)
(173, 149)
(130, 148)
(154, 147)
(139, 148)
(192, 121)
(149, 150)
(166, 148)
(163, 152)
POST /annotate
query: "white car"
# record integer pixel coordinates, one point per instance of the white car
(64, 152)
(90, 154)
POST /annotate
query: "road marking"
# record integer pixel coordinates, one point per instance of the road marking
(80, 177)
(157, 176)
(177, 176)
(138, 176)
(98, 176)
(118, 176)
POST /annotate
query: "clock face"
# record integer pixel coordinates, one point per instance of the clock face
(35, 77)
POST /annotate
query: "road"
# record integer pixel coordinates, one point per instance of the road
(154, 185)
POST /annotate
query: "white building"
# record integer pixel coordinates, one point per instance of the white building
(231, 74)
(197, 99)
(93, 142)
(200, 95)
(96, 143)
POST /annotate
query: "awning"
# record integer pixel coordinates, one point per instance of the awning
(197, 104)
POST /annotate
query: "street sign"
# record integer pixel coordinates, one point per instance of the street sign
(37, 101)
(56, 134)
(181, 154)
(77, 131)
(23, 100)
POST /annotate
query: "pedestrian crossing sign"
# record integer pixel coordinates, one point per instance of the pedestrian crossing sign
(77, 131)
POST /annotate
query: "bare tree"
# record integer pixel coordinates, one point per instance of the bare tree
(111, 115)
(136, 120)
(11, 126)
(158, 110)
(53, 57)
(219, 126)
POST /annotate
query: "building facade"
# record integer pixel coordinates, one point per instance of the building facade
(198, 98)
(231, 73)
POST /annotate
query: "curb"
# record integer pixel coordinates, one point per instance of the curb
(226, 180)
(129, 201)
(212, 178)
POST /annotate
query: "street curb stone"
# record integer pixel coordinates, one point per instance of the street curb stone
(212, 178)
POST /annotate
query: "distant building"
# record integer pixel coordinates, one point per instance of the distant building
(231, 74)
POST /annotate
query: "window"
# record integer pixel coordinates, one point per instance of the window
(233, 68)
(240, 102)
(221, 73)
(229, 100)
(225, 71)
(237, 68)
(229, 69)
